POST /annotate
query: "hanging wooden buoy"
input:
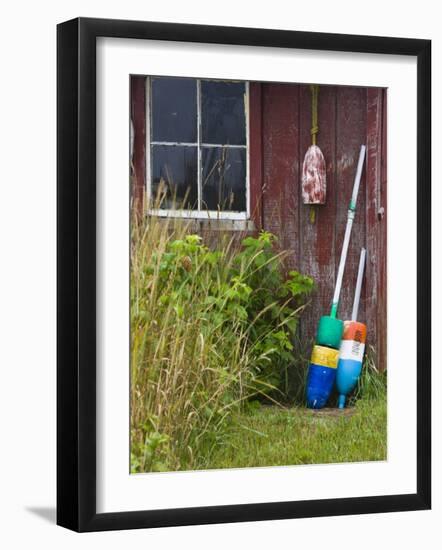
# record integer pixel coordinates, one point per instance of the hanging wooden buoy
(314, 169)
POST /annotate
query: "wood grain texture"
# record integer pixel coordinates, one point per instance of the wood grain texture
(373, 166)
(376, 221)
(382, 245)
(350, 135)
(255, 153)
(317, 239)
(281, 166)
(138, 161)
(348, 118)
(279, 136)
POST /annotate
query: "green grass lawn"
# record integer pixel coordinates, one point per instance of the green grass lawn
(274, 436)
(213, 332)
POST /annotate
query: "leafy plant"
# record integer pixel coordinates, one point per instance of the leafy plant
(210, 328)
(274, 302)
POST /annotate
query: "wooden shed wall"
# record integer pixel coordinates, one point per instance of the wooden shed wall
(280, 121)
(348, 117)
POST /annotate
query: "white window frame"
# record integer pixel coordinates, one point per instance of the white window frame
(196, 214)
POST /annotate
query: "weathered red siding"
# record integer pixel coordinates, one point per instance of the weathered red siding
(281, 169)
(138, 160)
(348, 117)
(255, 153)
(280, 121)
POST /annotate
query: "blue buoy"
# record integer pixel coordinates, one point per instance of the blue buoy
(346, 378)
(320, 382)
(351, 352)
(321, 376)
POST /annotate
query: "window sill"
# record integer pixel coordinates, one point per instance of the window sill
(226, 225)
(211, 224)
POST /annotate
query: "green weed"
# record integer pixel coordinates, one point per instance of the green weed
(211, 327)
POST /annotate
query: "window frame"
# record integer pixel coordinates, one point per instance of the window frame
(188, 213)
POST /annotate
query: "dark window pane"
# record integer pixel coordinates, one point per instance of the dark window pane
(224, 179)
(174, 176)
(223, 112)
(174, 110)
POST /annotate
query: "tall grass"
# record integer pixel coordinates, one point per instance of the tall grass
(372, 383)
(179, 374)
(193, 360)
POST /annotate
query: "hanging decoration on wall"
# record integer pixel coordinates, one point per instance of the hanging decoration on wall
(313, 168)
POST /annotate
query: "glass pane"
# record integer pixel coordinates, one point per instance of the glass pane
(174, 177)
(223, 112)
(224, 179)
(174, 110)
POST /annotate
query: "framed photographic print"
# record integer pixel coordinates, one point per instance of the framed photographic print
(243, 274)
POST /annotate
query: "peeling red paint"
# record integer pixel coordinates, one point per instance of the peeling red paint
(280, 126)
(138, 161)
(348, 117)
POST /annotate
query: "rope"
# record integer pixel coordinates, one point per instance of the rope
(314, 131)
(315, 128)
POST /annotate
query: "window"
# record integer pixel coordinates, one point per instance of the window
(197, 155)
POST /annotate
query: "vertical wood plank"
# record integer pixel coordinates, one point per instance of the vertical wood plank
(317, 255)
(350, 135)
(375, 292)
(381, 311)
(382, 245)
(256, 153)
(138, 161)
(281, 166)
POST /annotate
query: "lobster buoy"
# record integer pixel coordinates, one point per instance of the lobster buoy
(313, 176)
(313, 182)
(351, 352)
(321, 376)
(329, 332)
(351, 355)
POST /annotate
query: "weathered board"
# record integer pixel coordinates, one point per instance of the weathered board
(317, 256)
(281, 168)
(138, 158)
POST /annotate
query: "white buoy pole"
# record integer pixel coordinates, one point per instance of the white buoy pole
(350, 217)
(354, 313)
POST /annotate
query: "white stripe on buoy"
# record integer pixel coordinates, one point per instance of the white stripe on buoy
(351, 349)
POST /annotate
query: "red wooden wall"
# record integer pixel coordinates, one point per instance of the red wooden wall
(138, 160)
(348, 117)
(280, 120)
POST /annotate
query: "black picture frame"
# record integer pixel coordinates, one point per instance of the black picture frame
(76, 273)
